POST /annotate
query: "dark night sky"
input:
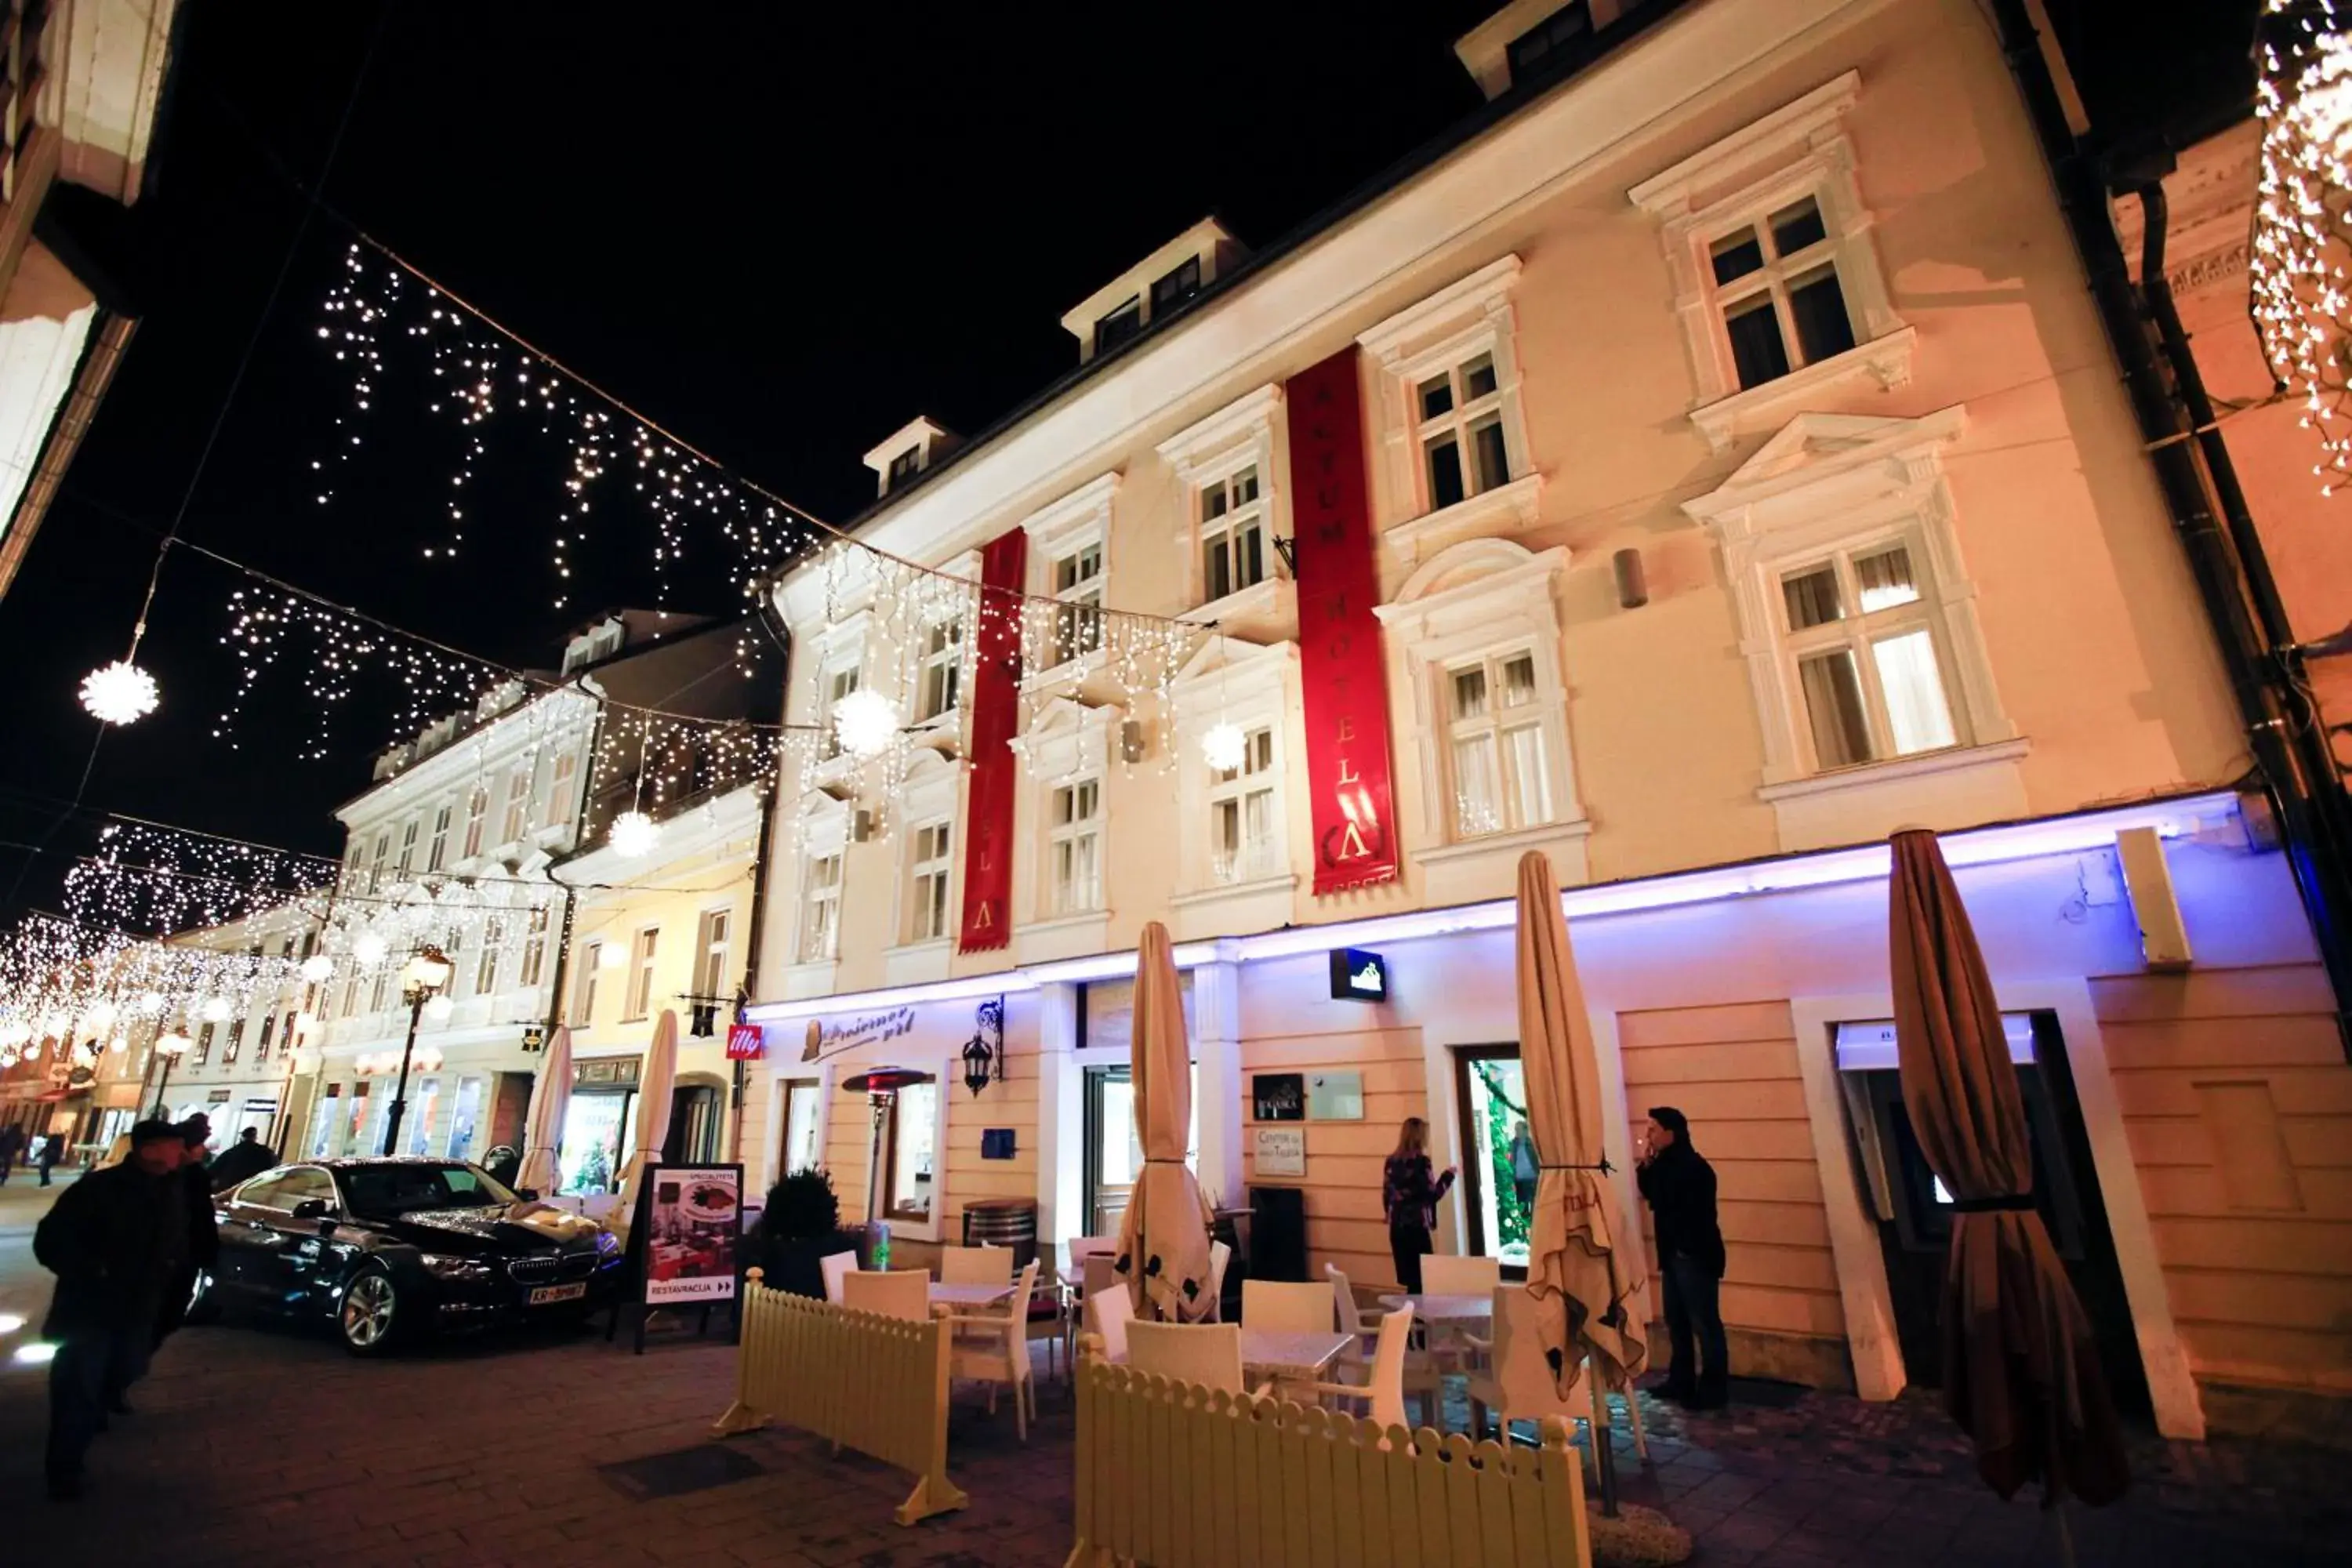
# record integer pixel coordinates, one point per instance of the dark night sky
(779, 232)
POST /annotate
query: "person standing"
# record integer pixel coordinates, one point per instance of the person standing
(51, 1151)
(246, 1158)
(1410, 1199)
(1680, 1188)
(12, 1143)
(200, 1244)
(1526, 1167)
(114, 1241)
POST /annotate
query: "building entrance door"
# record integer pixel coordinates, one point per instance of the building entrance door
(1916, 1215)
(1114, 1152)
(1498, 1171)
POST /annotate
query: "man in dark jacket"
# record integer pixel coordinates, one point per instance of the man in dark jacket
(200, 1247)
(52, 1150)
(114, 1240)
(1680, 1188)
(247, 1158)
(12, 1143)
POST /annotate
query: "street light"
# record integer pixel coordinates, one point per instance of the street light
(171, 1047)
(421, 978)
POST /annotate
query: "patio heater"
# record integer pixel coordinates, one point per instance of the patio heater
(880, 1085)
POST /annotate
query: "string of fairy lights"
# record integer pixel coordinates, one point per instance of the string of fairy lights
(2302, 239)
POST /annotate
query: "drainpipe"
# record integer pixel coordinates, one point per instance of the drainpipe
(755, 928)
(2316, 846)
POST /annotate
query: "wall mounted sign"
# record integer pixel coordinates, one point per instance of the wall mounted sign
(994, 775)
(1343, 676)
(844, 1034)
(1277, 1096)
(746, 1042)
(996, 1143)
(1359, 976)
(606, 1072)
(1335, 1097)
(1281, 1151)
(534, 1038)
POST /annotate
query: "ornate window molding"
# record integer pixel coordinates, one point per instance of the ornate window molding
(820, 829)
(928, 796)
(1247, 435)
(1253, 687)
(1063, 532)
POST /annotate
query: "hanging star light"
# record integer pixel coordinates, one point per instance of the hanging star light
(865, 723)
(2303, 217)
(633, 834)
(1224, 747)
(119, 693)
(369, 950)
(318, 968)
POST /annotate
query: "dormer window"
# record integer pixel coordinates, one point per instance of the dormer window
(1172, 288)
(1552, 46)
(904, 467)
(1122, 324)
(907, 452)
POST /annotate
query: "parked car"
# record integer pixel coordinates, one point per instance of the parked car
(387, 1249)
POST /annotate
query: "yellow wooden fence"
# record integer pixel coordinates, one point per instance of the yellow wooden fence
(873, 1384)
(1173, 1475)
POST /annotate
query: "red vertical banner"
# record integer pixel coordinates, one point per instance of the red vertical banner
(1342, 672)
(995, 713)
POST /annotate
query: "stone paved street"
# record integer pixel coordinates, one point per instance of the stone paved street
(255, 1445)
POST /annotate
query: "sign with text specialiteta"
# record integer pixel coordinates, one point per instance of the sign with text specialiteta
(1343, 678)
(691, 1221)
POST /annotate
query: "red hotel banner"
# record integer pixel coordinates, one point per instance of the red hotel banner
(1341, 669)
(995, 713)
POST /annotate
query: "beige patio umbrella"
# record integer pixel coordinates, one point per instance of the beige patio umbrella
(1163, 1241)
(543, 1127)
(654, 1086)
(2022, 1370)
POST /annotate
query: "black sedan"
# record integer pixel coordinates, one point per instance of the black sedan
(391, 1248)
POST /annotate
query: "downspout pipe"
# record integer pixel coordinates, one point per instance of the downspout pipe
(2316, 852)
(755, 928)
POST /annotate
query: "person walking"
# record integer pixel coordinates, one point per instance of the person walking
(52, 1151)
(200, 1243)
(246, 1158)
(1679, 1186)
(1526, 1167)
(12, 1143)
(1410, 1199)
(114, 1241)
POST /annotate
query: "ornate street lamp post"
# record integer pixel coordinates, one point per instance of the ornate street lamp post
(421, 978)
(171, 1045)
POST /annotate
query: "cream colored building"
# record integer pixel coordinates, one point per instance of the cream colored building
(1748, 477)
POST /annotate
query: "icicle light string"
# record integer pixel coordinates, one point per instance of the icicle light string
(2303, 217)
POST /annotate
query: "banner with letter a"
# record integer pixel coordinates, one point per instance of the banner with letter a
(995, 772)
(1342, 672)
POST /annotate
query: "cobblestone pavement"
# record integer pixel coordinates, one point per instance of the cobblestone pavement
(256, 1446)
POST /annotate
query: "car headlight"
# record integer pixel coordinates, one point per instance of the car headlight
(607, 1242)
(451, 1266)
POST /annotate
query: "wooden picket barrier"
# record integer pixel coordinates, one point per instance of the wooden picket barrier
(866, 1381)
(1171, 1475)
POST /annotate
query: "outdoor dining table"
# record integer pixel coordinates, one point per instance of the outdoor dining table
(1462, 1309)
(969, 1295)
(1288, 1356)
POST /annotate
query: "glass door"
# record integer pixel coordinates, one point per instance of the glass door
(594, 1143)
(1498, 1155)
(1114, 1149)
(804, 1134)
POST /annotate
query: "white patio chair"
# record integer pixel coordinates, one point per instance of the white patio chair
(1420, 1373)
(1101, 1273)
(1445, 1274)
(1518, 1386)
(992, 1347)
(1107, 1313)
(1383, 1389)
(893, 1293)
(1209, 1354)
(835, 1267)
(1220, 1255)
(975, 1265)
(1287, 1307)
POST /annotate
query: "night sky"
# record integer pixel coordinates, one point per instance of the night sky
(779, 232)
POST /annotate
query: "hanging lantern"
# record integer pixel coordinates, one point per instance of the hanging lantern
(1224, 746)
(865, 723)
(977, 1059)
(215, 1010)
(317, 967)
(633, 834)
(119, 693)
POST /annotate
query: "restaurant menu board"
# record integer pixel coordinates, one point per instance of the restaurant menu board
(692, 1225)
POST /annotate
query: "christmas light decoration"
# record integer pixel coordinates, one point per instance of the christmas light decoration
(215, 1010)
(2303, 217)
(439, 1009)
(633, 834)
(317, 968)
(119, 693)
(370, 948)
(864, 723)
(1224, 747)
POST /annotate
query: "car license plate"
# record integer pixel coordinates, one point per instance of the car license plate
(541, 1295)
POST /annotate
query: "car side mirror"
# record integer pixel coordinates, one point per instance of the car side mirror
(310, 1209)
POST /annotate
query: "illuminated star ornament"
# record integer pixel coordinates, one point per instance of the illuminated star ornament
(2302, 218)
(635, 834)
(120, 693)
(1224, 747)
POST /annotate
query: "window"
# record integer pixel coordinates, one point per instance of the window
(1242, 803)
(355, 1129)
(820, 925)
(909, 1156)
(324, 1120)
(1077, 584)
(583, 992)
(261, 1042)
(1553, 45)
(933, 865)
(464, 1117)
(203, 1051)
(1232, 535)
(486, 968)
(407, 861)
(1174, 287)
(942, 669)
(376, 996)
(235, 1040)
(438, 855)
(559, 792)
(641, 973)
(1496, 745)
(838, 683)
(534, 946)
(905, 466)
(383, 848)
(478, 812)
(712, 972)
(1860, 637)
(352, 993)
(1459, 418)
(1074, 847)
(354, 880)
(418, 1132)
(1776, 289)
(518, 810)
(1119, 326)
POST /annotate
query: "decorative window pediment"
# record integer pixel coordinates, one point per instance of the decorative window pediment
(1233, 828)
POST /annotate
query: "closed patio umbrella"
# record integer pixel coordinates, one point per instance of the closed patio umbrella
(2021, 1372)
(1163, 1241)
(654, 1086)
(1578, 1277)
(543, 1128)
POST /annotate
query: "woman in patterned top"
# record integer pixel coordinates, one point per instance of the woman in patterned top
(1410, 1199)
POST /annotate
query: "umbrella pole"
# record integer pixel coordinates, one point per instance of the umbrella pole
(1604, 1443)
(2066, 1534)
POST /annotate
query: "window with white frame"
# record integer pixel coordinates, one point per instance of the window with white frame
(711, 946)
(1076, 585)
(1232, 534)
(821, 909)
(1776, 291)
(1243, 807)
(640, 973)
(931, 865)
(478, 812)
(1458, 425)
(584, 991)
(1449, 393)
(518, 810)
(437, 854)
(938, 683)
(486, 968)
(534, 946)
(1495, 749)
(839, 682)
(1862, 645)
(1074, 847)
(559, 791)
(407, 847)
(382, 849)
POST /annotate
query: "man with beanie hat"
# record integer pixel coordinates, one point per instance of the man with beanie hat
(1680, 1188)
(200, 1245)
(115, 1240)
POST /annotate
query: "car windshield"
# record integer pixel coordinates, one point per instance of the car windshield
(400, 1189)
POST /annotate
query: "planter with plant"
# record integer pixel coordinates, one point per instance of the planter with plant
(800, 1226)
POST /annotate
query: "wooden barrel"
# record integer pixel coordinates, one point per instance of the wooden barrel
(1004, 1221)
